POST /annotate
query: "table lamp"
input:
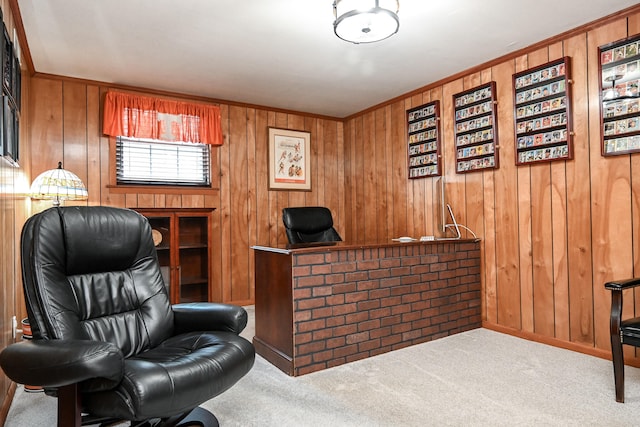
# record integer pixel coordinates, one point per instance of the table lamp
(57, 185)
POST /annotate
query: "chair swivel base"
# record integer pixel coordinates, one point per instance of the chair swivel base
(198, 417)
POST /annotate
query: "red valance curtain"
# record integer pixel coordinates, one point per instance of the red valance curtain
(146, 117)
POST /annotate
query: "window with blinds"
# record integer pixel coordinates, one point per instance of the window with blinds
(154, 162)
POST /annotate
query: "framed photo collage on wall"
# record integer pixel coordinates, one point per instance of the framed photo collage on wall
(11, 98)
(619, 64)
(542, 123)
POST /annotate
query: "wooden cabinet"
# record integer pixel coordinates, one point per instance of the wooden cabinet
(183, 243)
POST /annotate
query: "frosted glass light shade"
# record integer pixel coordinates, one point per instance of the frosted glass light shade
(365, 21)
(58, 184)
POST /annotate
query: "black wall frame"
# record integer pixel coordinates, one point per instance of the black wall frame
(11, 99)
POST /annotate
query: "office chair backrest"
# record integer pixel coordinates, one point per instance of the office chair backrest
(309, 224)
(91, 273)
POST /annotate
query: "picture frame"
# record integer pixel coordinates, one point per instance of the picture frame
(4, 153)
(16, 91)
(7, 62)
(542, 110)
(289, 160)
(619, 71)
(423, 141)
(476, 130)
(10, 130)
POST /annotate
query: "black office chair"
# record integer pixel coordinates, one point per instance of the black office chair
(625, 331)
(310, 224)
(106, 340)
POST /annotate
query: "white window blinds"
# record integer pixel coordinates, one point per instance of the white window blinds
(153, 162)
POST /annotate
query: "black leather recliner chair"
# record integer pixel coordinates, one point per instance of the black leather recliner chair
(309, 224)
(106, 339)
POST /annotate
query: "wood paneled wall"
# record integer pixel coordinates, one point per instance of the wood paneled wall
(552, 233)
(14, 209)
(66, 117)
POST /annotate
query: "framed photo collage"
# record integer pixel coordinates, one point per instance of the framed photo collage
(542, 126)
(619, 98)
(423, 130)
(543, 113)
(11, 98)
(476, 133)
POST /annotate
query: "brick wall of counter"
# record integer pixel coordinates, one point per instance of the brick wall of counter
(356, 303)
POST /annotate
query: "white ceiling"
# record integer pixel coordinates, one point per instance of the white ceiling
(283, 53)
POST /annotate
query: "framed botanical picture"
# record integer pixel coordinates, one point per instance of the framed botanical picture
(289, 160)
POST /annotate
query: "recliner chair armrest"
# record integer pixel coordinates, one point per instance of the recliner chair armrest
(616, 285)
(57, 363)
(209, 316)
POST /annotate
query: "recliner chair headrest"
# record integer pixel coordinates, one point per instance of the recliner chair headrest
(104, 239)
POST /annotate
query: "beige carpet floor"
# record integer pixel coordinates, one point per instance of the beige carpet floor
(477, 378)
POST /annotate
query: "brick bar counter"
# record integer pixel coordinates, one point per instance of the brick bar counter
(322, 306)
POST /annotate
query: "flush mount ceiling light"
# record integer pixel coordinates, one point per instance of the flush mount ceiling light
(365, 21)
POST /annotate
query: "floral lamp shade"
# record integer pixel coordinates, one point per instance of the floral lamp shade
(57, 185)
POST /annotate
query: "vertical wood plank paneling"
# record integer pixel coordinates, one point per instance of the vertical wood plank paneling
(541, 244)
(252, 203)
(507, 294)
(74, 132)
(338, 129)
(260, 182)
(525, 261)
(349, 190)
(388, 150)
(378, 175)
(275, 217)
(399, 167)
(47, 125)
(358, 181)
(316, 130)
(578, 201)
(368, 154)
(431, 192)
(559, 235)
(332, 191)
(610, 192)
(146, 200)
(474, 185)
(282, 197)
(454, 182)
(224, 211)
(296, 122)
(93, 181)
(239, 214)
(551, 234)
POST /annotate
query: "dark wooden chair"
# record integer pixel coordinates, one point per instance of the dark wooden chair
(623, 331)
